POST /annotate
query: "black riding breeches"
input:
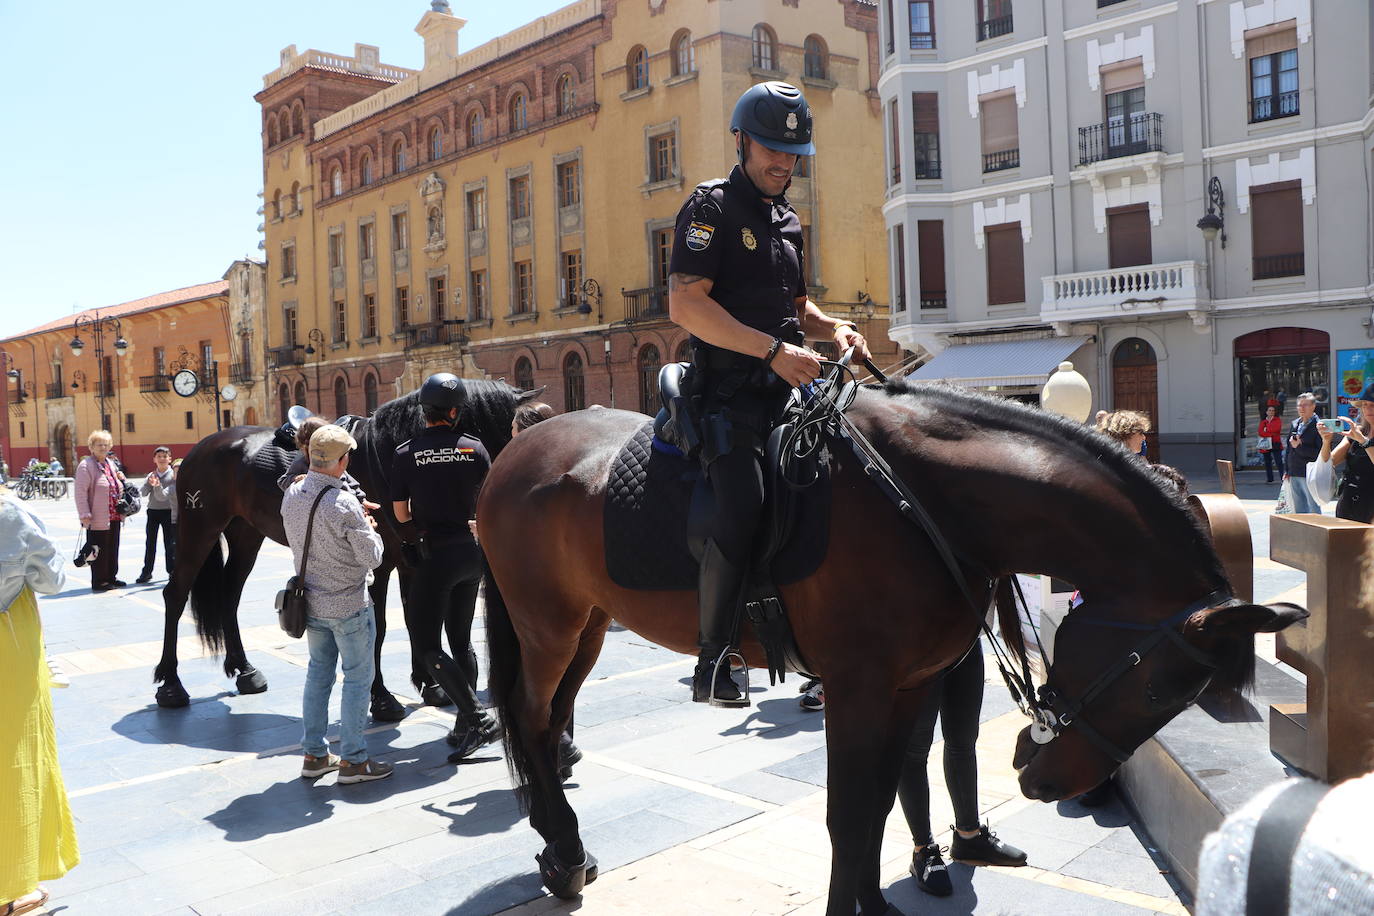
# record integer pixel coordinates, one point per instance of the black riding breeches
(442, 598)
(958, 699)
(737, 490)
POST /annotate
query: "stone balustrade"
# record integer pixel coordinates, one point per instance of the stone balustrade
(1145, 288)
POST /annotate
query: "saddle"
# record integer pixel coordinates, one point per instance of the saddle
(656, 508)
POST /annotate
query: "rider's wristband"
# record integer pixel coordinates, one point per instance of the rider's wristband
(846, 324)
(773, 349)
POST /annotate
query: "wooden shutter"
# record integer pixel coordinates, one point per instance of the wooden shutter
(998, 115)
(1125, 75)
(1128, 236)
(926, 112)
(1276, 219)
(1271, 39)
(930, 252)
(899, 256)
(1006, 265)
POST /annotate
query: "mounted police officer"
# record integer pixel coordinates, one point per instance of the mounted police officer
(435, 478)
(737, 283)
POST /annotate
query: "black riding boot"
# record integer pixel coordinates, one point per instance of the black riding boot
(718, 591)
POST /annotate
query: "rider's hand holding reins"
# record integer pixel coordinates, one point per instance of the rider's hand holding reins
(795, 365)
(846, 336)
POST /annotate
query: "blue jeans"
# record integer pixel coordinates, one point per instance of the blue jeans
(348, 639)
(1300, 498)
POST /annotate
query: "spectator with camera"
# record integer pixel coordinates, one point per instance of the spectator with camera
(1356, 498)
(1304, 445)
(99, 487)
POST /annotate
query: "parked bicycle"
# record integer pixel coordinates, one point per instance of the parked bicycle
(37, 481)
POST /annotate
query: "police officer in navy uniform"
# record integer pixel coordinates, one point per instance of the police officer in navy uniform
(435, 478)
(737, 283)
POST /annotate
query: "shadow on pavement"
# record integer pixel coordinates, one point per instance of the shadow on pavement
(492, 811)
(908, 898)
(207, 723)
(778, 718)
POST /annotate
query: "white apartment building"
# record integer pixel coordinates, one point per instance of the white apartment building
(1052, 167)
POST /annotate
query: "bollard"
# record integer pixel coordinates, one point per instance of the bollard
(1331, 736)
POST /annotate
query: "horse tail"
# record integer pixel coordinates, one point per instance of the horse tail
(207, 599)
(504, 674)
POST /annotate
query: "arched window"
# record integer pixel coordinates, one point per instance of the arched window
(298, 122)
(637, 68)
(369, 394)
(365, 168)
(566, 95)
(649, 364)
(284, 399)
(272, 135)
(398, 157)
(765, 48)
(336, 181)
(340, 397)
(294, 202)
(684, 351)
(524, 374)
(684, 54)
(574, 385)
(276, 205)
(299, 397)
(519, 112)
(475, 128)
(817, 65)
(436, 144)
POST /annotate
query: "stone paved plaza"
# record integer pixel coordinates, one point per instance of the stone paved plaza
(689, 809)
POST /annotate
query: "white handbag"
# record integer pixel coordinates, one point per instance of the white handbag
(1321, 481)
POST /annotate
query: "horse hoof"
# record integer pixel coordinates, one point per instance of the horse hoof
(171, 695)
(565, 881)
(251, 680)
(434, 695)
(386, 708)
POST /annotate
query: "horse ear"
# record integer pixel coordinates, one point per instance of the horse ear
(531, 394)
(1250, 618)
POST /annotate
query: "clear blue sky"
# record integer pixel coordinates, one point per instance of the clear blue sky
(132, 155)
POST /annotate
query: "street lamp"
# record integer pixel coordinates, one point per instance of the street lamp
(1067, 393)
(1213, 222)
(316, 336)
(97, 325)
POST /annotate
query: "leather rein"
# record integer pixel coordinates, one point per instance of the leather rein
(1051, 710)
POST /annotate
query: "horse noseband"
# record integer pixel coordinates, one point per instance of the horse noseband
(1052, 712)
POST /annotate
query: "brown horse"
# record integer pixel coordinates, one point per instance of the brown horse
(226, 487)
(1013, 488)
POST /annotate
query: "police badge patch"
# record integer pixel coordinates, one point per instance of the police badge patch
(749, 241)
(791, 120)
(699, 236)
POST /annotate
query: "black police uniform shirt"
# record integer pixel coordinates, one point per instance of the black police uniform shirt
(440, 472)
(749, 247)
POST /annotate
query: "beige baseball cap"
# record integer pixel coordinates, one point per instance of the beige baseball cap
(330, 443)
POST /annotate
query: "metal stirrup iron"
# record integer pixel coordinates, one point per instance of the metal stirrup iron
(715, 674)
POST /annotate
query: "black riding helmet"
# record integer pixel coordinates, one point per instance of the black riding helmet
(776, 115)
(442, 390)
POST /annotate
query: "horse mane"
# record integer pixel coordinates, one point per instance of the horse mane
(486, 414)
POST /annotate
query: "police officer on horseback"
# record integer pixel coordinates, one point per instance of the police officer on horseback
(737, 284)
(435, 478)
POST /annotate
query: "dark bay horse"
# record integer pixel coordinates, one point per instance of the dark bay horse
(221, 492)
(1014, 489)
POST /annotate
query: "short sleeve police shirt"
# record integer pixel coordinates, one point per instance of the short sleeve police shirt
(441, 473)
(750, 249)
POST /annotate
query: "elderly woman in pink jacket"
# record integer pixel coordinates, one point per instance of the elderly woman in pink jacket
(99, 484)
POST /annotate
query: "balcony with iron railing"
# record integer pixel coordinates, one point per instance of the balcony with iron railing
(1141, 290)
(55, 390)
(1142, 132)
(448, 332)
(241, 373)
(645, 304)
(994, 28)
(1269, 107)
(1270, 267)
(154, 384)
(1002, 159)
(282, 357)
(18, 396)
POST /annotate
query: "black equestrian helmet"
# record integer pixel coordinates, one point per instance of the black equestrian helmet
(776, 115)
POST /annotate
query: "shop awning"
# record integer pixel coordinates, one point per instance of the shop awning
(1000, 363)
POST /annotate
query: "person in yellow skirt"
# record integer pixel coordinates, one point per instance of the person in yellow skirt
(37, 838)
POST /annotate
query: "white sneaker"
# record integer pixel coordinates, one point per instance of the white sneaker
(56, 676)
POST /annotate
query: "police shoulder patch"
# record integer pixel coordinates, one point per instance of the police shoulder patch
(698, 235)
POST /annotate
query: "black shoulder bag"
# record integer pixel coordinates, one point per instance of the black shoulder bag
(292, 605)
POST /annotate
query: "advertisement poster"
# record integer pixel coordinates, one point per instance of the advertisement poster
(1354, 369)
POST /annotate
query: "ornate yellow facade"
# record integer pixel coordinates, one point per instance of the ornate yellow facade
(507, 211)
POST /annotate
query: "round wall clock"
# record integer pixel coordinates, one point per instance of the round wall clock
(186, 383)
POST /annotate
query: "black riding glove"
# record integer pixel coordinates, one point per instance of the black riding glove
(410, 535)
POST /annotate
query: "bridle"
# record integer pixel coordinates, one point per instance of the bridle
(1051, 710)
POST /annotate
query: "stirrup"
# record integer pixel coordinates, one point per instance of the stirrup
(722, 659)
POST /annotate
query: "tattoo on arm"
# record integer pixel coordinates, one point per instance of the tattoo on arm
(678, 282)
